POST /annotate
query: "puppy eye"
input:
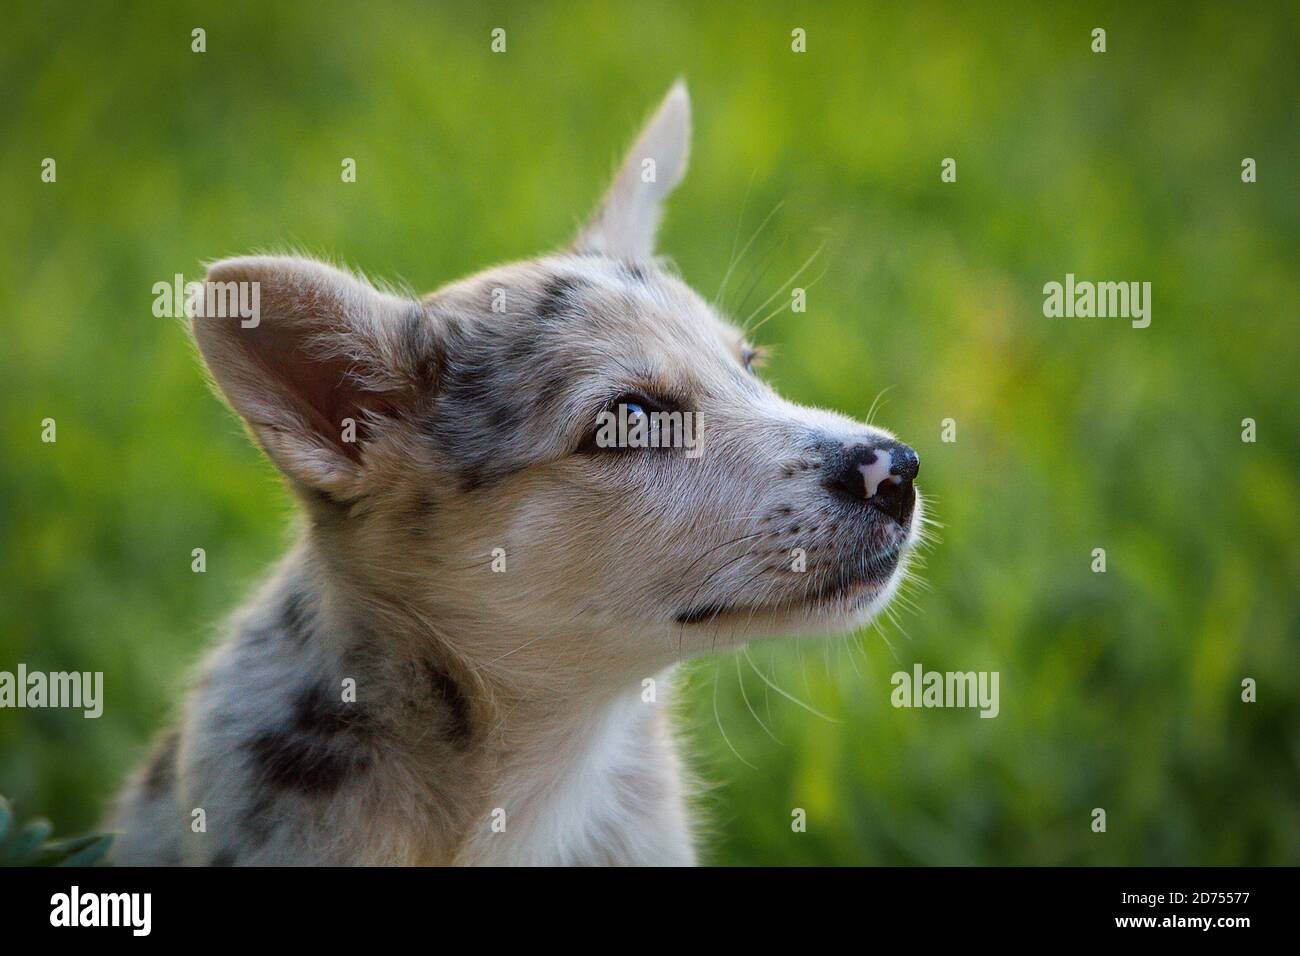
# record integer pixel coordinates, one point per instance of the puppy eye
(636, 405)
(628, 408)
(750, 358)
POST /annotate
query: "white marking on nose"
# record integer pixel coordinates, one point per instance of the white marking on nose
(878, 471)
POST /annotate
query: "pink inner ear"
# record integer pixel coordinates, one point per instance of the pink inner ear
(322, 352)
(317, 387)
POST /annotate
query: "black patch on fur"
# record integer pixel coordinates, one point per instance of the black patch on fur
(223, 858)
(447, 692)
(320, 751)
(322, 712)
(554, 299)
(160, 773)
(309, 765)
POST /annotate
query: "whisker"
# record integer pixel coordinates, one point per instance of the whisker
(745, 696)
(790, 697)
(758, 232)
(758, 270)
(788, 282)
(718, 719)
(871, 412)
(783, 306)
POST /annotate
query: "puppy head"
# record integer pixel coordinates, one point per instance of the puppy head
(461, 454)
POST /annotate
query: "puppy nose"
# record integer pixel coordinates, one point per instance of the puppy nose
(879, 473)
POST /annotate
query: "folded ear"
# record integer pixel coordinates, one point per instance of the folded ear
(625, 224)
(317, 366)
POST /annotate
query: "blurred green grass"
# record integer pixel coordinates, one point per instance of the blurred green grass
(1118, 690)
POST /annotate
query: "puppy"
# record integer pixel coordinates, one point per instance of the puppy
(467, 656)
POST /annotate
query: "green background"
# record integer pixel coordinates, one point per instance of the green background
(1119, 690)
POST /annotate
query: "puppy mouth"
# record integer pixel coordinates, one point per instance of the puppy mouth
(851, 585)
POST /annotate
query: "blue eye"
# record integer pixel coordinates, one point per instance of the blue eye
(615, 422)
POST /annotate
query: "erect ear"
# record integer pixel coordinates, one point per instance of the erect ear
(316, 360)
(625, 224)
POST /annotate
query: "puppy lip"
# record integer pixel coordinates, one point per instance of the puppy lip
(854, 585)
(878, 570)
